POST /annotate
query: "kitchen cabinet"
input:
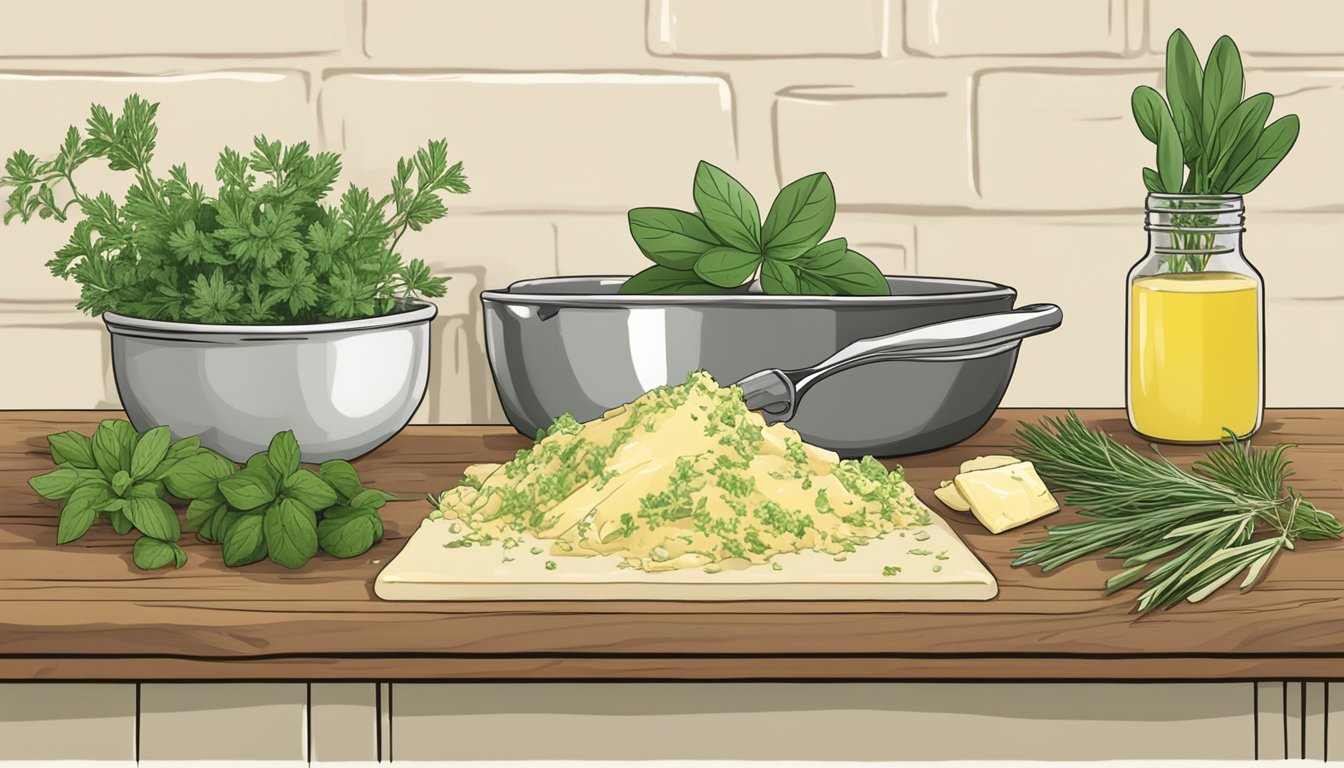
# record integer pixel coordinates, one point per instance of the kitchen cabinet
(309, 664)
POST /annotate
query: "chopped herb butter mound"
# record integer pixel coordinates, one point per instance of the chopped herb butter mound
(683, 477)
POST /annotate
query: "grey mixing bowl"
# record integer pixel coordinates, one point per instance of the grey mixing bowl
(573, 344)
(344, 388)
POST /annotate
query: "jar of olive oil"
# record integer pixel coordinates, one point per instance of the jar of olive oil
(1195, 351)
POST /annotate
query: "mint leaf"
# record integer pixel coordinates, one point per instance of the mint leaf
(283, 453)
(73, 449)
(153, 517)
(800, 216)
(198, 476)
(149, 554)
(727, 208)
(663, 280)
(244, 542)
(349, 536)
(248, 489)
(291, 532)
(308, 489)
(727, 267)
(670, 238)
(56, 484)
(342, 477)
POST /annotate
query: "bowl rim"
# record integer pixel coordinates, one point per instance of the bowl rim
(422, 311)
(976, 290)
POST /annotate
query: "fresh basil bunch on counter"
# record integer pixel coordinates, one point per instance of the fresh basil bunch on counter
(271, 507)
(724, 244)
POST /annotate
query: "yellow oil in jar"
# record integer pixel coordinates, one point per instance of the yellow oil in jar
(1194, 356)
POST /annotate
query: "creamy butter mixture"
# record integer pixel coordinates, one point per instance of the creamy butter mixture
(683, 477)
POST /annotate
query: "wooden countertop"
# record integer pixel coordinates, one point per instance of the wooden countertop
(82, 612)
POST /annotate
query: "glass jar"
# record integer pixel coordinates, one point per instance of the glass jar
(1195, 351)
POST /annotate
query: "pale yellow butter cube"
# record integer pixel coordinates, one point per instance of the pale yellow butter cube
(1006, 497)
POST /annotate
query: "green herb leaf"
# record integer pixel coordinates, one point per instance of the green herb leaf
(728, 208)
(1270, 149)
(1237, 135)
(80, 511)
(291, 532)
(199, 512)
(121, 481)
(1224, 86)
(670, 238)
(658, 279)
(73, 449)
(153, 517)
(120, 523)
(113, 442)
(832, 269)
(1148, 106)
(198, 476)
(244, 543)
(56, 484)
(149, 451)
(727, 267)
(778, 277)
(308, 489)
(150, 554)
(182, 449)
(249, 489)
(800, 216)
(1184, 91)
(283, 453)
(371, 498)
(1151, 180)
(349, 536)
(341, 476)
(1170, 157)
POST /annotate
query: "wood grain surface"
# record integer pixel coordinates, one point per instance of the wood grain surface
(82, 611)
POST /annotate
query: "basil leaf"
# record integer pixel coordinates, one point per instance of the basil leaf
(145, 489)
(341, 511)
(198, 476)
(663, 280)
(248, 489)
(1238, 134)
(149, 554)
(258, 460)
(1272, 146)
(1224, 86)
(178, 451)
(112, 446)
(56, 484)
(291, 532)
(308, 489)
(847, 273)
(80, 511)
(1170, 160)
(727, 207)
(727, 267)
(1147, 105)
(348, 536)
(283, 453)
(670, 238)
(244, 542)
(1184, 91)
(800, 216)
(778, 277)
(153, 517)
(1151, 180)
(120, 523)
(120, 482)
(199, 512)
(71, 448)
(342, 477)
(371, 499)
(219, 525)
(149, 451)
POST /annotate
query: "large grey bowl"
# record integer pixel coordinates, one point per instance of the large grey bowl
(573, 344)
(345, 388)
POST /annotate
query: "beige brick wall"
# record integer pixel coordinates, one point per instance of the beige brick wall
(965, 138)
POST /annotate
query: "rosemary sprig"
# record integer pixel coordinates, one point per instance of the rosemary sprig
(1183, 533)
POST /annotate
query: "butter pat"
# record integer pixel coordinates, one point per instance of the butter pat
(947, 493)
(1007, 496)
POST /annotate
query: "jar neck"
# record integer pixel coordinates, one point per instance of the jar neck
(1194, 232)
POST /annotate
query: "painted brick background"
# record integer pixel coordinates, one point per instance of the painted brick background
(965, 137)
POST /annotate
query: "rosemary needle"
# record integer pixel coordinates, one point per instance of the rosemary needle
(1183, 534)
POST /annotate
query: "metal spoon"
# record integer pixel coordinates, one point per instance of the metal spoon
(777, 392)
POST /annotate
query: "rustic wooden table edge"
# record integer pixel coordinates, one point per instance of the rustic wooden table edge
(323, 623)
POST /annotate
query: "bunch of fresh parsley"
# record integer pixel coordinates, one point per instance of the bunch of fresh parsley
(270, 508)
(265, 250)
(723, 244)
